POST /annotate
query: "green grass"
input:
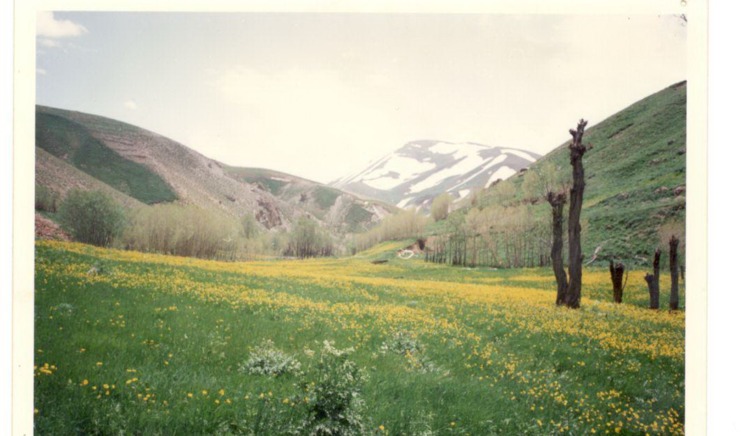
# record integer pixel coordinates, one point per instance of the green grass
(71, 141)
(492, 353)
(274, 186)
(325, 197)
(357, 216)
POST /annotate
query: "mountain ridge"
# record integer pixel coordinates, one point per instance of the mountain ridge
(191, 177)
(415, 173)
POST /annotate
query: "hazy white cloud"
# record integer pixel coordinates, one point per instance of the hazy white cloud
(296, 118)
(46, 42)
(310, 100)
(41, 71)
(293, 90)
(50, 27)
(326, 108)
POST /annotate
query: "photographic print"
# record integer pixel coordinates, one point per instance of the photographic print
(323, 222)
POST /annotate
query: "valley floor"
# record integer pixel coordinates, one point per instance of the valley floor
(153, 344)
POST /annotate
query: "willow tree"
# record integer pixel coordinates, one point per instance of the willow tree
(577, 150)
(440, 206)
(557, 200)
(548, 182)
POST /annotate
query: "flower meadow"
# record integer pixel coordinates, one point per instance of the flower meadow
(134, 343)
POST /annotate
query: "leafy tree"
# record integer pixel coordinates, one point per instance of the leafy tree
(250, 227)
(92, 217)
(405, 224)
(440, 206)
(546, 178)
(308, 239)
(502, 193)
(185, 230)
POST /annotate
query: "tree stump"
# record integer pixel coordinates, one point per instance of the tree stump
(674, 272)
(616, 276)
(653, 282)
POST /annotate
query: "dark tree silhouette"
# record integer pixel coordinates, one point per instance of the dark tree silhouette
(653, 282)
(557, 201)
(674, 272)
(616, 276)
(577, 150)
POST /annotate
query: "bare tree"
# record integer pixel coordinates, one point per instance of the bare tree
(577, 150)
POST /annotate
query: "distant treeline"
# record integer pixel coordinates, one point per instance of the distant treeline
(179, 229)
(403, 225)
(496, 236)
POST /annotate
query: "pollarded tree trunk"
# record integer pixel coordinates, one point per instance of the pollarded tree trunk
(557, 201)
(653, 282)
(577, 150)
(616, 276)
(674, 273)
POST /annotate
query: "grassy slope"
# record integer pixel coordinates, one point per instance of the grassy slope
(635, 152)
(71, 142)
(318, 199)
(495, 354)
(194, 178)
(61, 176)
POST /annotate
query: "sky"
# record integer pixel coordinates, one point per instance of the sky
(321, 95)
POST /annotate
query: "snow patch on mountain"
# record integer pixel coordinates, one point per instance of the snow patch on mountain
(520, 153)
(420, 170)
(502, 173)
(447, 148)
(403, 203)
(463, 166)
(398, 170)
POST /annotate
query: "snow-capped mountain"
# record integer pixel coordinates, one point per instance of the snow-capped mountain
(419, 171)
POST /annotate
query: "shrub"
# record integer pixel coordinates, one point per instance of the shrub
(335, 405)
(92, 217)
(407, 345)
(268, 360)
(402, 343)
(45, 199)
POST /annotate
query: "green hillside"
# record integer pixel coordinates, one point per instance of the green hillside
(637, 161)
(73, 143)
(340, 209)
(635, 176)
